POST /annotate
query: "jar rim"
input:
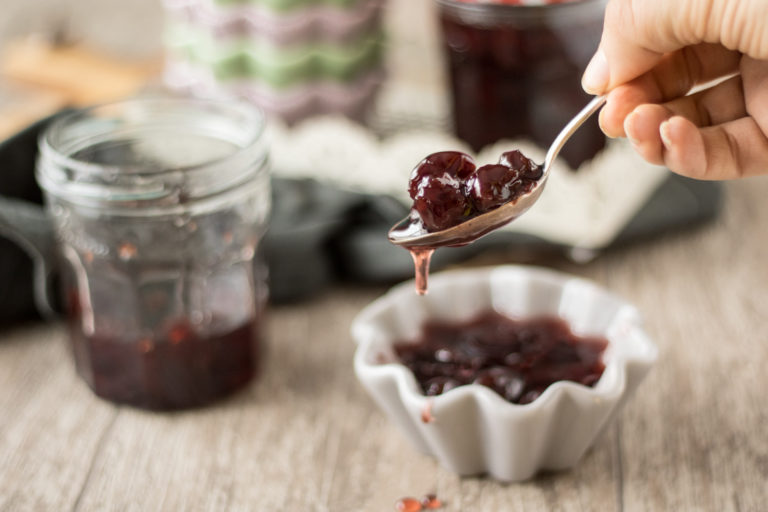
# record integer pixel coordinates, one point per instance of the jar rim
(540, 4)
(62, 173)
(48, 147)
(489, 13)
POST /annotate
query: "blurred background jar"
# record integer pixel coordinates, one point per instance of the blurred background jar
(515, 69)
(159, 206)
(292, 58)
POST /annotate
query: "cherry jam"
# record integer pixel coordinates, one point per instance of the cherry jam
(518, 359)
(174, 368)
(448, 189)
(515, 71)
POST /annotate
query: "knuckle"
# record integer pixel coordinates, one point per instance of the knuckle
(696, 19)
(739, 26)
(734, 155)
(722, 157)
(692, 66)
(752, 36)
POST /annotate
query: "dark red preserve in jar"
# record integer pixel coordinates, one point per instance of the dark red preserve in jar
(159, 206)
(515, 68)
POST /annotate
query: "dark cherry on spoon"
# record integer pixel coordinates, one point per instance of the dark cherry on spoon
(455, 203)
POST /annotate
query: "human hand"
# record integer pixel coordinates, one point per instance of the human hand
(653, 52)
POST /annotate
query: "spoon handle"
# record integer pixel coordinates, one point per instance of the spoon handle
(574, 124)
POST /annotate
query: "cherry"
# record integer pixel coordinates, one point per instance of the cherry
(440, 385)
(437, 189)
(524, 165)
(505, 381)
(447, 189)
(517, 359)
(493, 185)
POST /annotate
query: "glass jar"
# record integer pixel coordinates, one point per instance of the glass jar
(516, 70)
(159, 206)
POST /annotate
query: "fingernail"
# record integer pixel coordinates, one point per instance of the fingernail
(596, 76)
(665, 135)
(600, 122)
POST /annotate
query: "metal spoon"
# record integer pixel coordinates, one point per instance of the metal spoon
(412, 234)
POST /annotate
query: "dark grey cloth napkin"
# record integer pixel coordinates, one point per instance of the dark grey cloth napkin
(318, 234)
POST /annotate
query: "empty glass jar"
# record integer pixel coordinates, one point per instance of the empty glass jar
(159, 206)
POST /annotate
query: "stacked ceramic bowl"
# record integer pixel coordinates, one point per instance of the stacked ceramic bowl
(293, 58)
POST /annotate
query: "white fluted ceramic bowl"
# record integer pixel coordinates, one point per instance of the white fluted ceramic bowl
(474, 430)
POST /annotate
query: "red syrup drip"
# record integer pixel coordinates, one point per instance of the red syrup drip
(421, 258)
(426, 412)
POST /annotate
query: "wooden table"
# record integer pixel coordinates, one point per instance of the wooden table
(305, 437)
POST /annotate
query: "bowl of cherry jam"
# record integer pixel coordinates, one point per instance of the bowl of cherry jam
(503, 371)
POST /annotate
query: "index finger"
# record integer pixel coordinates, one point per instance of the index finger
(675, 75)
(638, 34)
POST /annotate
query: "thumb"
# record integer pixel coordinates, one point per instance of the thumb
(637, 35)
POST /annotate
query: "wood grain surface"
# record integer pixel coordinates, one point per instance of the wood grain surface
(305, 437)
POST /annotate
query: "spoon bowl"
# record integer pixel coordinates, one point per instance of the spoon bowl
(408, 233)
(413, 234)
